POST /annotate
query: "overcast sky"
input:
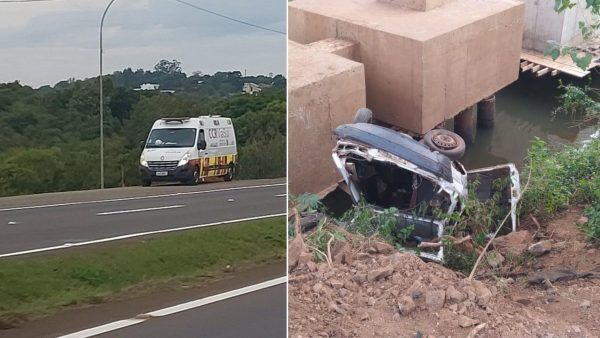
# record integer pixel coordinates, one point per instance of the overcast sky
(46, 42)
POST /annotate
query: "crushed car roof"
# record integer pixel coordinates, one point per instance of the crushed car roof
(397, 144)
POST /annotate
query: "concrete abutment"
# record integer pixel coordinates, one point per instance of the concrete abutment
(486, 111)
(423, 62)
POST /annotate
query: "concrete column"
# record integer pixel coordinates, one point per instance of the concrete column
(486, 111)
(464, 124)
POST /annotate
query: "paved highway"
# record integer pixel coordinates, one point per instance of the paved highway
(245, 303)
(257, 313)
(54, 220)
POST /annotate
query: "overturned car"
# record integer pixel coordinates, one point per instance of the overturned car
(385, 168)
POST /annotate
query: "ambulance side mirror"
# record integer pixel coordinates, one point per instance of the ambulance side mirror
(201, 145)
(142, 144)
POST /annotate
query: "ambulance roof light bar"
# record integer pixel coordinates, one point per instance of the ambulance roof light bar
(175, 119)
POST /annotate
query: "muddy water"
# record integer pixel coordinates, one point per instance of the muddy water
(523, 111)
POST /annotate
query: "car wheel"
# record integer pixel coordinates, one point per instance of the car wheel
(146, 183)
(195, 180)
(445, 142)
(363, 115)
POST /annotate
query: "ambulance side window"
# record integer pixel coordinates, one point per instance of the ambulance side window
(201, 140)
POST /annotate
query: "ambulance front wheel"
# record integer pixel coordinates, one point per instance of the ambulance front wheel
(146, 183)
(195, 179)
(229, 175)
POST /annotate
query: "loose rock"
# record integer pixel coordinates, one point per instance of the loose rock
(333, 307)
(540, 248)
(464, 321)
(416, 290)
(435, 299)
(515, 243)
(380, 273)
(494, 259)
(383, 248)
(406, 305)
(454, 295)
(483, 293)
(336, 284)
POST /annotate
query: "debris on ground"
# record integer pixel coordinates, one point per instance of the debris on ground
(514, 244)
(373, 289)
(540, 248)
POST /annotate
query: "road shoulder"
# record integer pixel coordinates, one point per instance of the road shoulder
(127, 305)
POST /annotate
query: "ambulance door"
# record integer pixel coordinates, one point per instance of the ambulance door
(203, 154)
(212, 149)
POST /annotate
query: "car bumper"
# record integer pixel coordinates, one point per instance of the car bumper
(182, 173)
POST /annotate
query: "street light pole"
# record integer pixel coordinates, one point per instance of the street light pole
(102, 102)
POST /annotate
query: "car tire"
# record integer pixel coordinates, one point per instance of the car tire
(195, 179)
(363, 115)
(146, 183)
(230, 173)
(455, 148)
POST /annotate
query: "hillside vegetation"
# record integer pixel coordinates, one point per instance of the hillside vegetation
(49, 137)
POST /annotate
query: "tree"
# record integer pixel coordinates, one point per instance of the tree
(576, 101)
(59, 126)
(587, 28)
(168, 67)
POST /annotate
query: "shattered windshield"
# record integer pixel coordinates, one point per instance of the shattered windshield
(171, 138)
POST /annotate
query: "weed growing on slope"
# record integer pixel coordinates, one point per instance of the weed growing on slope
(560, 178)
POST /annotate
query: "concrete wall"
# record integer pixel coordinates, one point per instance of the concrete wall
(571, 34)
(465, 65)
(543, 23)
(324, 91)
(420, 5)
(421, 67)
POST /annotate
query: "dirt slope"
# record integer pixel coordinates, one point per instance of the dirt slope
(372, 290)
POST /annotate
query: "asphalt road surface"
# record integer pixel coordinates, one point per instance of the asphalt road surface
(49, 220)
(258, 314)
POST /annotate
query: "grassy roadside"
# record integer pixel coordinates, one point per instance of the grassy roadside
(41, 284)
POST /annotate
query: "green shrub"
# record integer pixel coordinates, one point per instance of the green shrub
(364, 220)
(560, 178)
(592, 227)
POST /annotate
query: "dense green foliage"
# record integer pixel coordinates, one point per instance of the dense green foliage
(42, 284)
(364, 220)
(562, 178)
(49, 137)
(580, 103)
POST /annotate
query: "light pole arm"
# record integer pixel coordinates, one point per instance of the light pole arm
(102, 101)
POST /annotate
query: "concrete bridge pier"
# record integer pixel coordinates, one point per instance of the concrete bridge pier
(486, 111)
(464, 124)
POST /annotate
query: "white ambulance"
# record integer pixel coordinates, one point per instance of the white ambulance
(189, 150)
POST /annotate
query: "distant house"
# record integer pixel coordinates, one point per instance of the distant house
(251, 88)
(148, 86)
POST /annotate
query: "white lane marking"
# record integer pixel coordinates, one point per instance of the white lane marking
(94, 331)
(175, 309)
(141, 197)
(281, 195)
(138, 210)
(110, 239)
(217, 298)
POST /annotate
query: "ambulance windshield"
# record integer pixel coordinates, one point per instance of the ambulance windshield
(172, 138)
